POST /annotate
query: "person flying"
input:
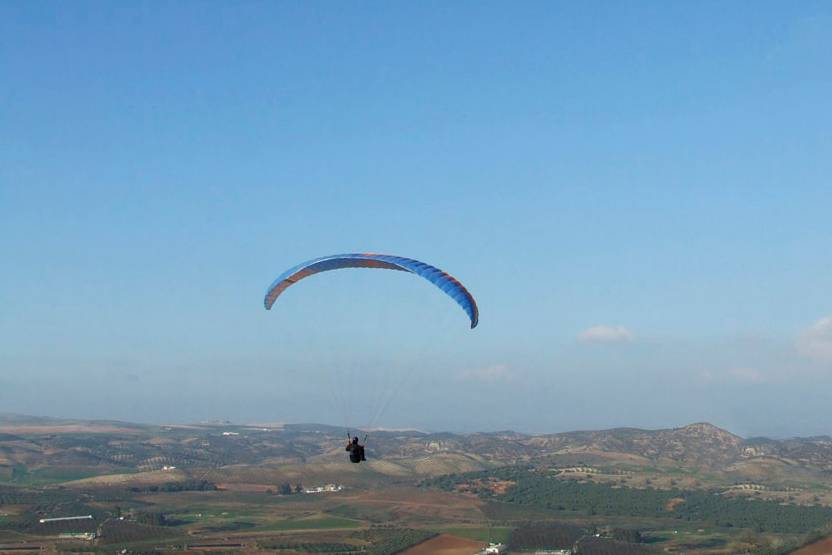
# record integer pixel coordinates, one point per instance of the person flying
(356, 450)
(448, 284)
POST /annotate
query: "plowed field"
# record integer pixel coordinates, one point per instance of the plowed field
(446, 545)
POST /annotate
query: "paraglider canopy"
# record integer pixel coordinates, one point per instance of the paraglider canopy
(444, 281)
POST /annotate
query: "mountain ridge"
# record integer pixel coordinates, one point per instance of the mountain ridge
(8, 418)
(699, 445)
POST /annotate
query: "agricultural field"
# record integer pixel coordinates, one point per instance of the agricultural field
(446, 545)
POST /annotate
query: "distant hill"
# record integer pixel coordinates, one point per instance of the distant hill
(51, 450)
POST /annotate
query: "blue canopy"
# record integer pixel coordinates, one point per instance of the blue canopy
(444, 281)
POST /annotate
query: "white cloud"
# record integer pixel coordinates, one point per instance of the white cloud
(495, 373)
(816, 341)
(605, 334)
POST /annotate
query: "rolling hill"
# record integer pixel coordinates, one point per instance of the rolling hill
(53, 450)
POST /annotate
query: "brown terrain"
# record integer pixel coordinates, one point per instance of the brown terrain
(823, 547)
(445, 545)
(673, 503)
(233, 473)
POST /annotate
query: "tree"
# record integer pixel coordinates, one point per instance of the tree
(626, 535)
(151, 519)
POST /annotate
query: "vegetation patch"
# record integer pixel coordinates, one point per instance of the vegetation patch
(118, 532)
(602, 546)
(392, 540)
(553, 536)
(233, 526)
(497, 534)
(311, 524)
(536, 490)
(307, 547)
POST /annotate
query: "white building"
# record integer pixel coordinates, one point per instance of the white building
(329, 488)
(65, 519)
(494, 549)
(88, 536)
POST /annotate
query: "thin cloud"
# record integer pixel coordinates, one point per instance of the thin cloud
(816, 341)
(605, 334)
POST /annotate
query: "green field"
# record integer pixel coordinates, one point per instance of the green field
(21, 476)
(324, 523)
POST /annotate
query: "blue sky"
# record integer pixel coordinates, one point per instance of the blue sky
(638, 194)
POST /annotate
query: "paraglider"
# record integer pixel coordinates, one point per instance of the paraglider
(356, 450)
(444, 281)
